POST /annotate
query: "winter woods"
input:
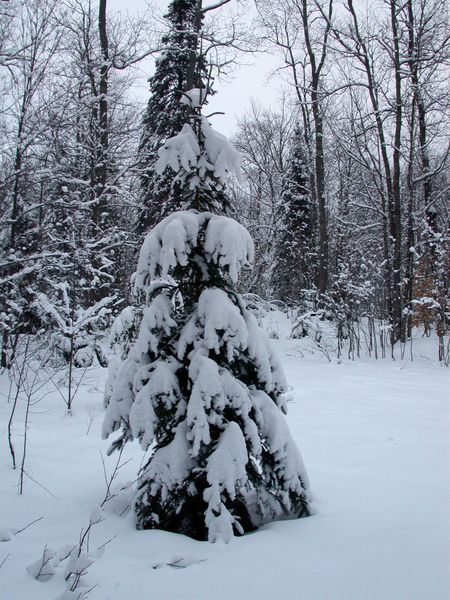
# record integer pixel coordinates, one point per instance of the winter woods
(340, 190)
(369, 86)
(201, 386)
(68, 144)
(355, 233)
(166, 257)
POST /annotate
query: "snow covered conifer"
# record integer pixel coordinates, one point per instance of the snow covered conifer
(165, 114)
(294, 265)
(201, 387)
(122, 335)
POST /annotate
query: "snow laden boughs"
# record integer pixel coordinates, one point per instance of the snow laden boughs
(201, 388)
(169, 107)
(183, 150)
(121, 338)
(202, 158)
(172, 243)
(74, 333)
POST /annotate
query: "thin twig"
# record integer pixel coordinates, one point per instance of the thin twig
(29, 525)
(90, 589)
(107, 542)
(19, 386)
(109, 481)
(25, 440)
(40, 485)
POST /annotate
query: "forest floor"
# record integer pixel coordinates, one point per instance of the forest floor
(374, 435)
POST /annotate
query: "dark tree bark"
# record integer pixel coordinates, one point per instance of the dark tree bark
(395, 199)
(103, 142)
(316, 65)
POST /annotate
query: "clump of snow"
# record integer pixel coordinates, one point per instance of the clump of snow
(121, 339)
(225, 472)
(221, 322)
(5, 535)
(206, 389)
(122, 325)
(155, 385)
(221, 153)
(229, 245)
(43, 568)
(121, 398)
(162, 250)
(78, 564)
(269, 368)
(189, 156)
(169, 467)
(174, 240)
(156, 318)
(178, 561)
(288, 465)
(179, 151)
(194, 97)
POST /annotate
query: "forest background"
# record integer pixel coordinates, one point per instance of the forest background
(345, 180)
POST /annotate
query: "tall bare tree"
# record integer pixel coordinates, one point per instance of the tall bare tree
(298, 30)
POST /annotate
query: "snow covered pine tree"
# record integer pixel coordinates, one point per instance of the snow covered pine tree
(295, 254)
(201, 386)
(165, 114)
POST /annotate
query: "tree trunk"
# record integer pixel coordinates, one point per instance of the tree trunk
(395, 208)
(193, 76)
(103, 140)
(322, 275)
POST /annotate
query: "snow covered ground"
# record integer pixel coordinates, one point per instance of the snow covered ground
(375, 439)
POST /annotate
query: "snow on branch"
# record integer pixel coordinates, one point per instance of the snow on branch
(215, 5)
(194, 98)
(221, 153)
(181, 150)
(226, 243)
(213, 152)
(229, 245)
(226, 472)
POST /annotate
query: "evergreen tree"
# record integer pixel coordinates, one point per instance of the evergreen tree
(294, 264)
(179, 68)
(201, 385)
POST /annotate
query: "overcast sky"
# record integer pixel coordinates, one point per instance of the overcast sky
(233, 96)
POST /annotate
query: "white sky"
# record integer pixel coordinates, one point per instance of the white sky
(251, 80)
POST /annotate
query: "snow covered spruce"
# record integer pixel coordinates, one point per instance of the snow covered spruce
(201, 387)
